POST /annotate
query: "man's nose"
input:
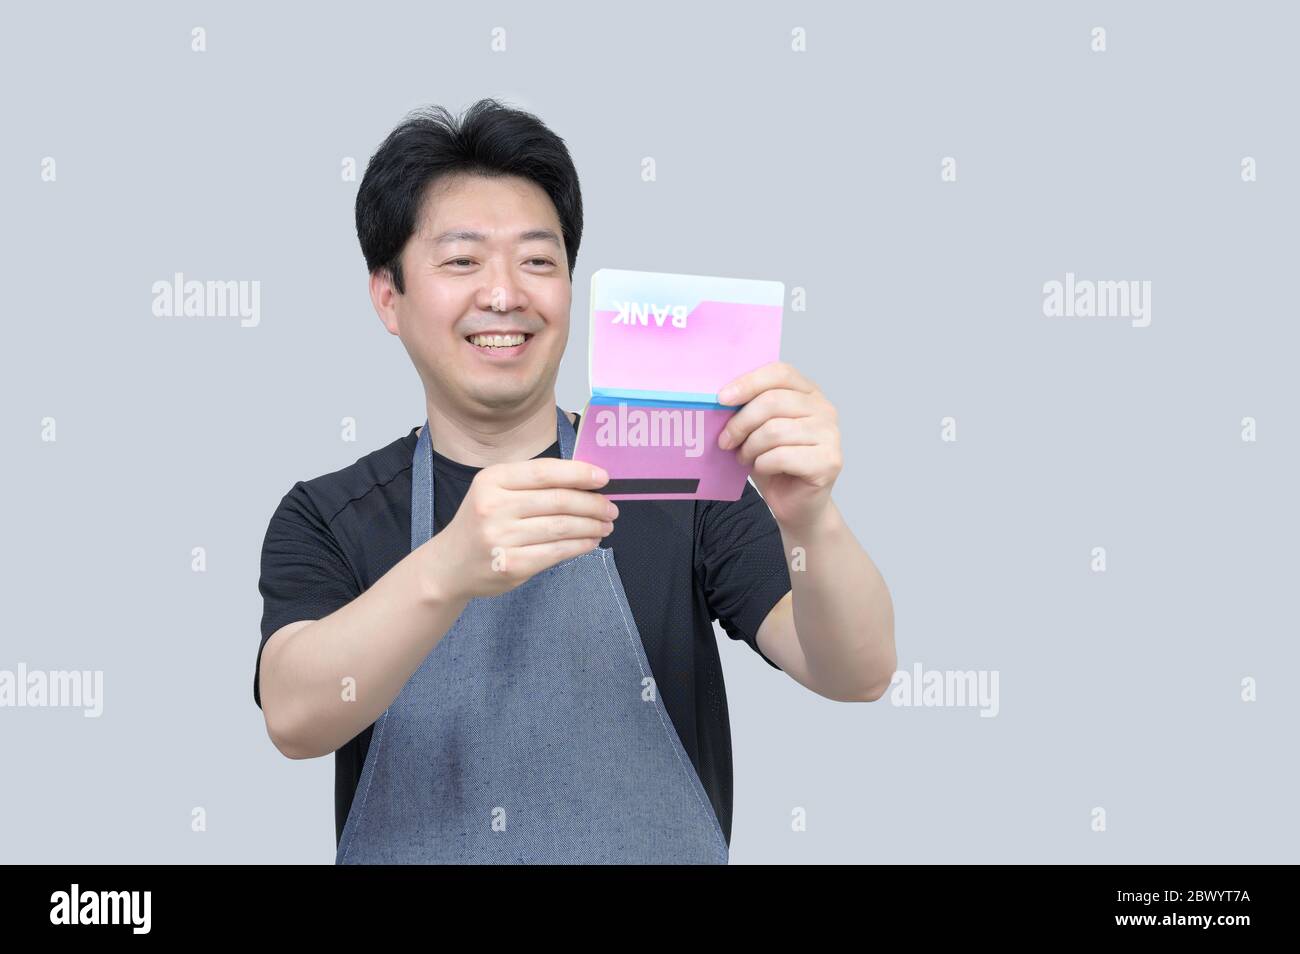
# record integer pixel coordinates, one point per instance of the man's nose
(500, 292)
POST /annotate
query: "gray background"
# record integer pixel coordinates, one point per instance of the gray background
(819, 169)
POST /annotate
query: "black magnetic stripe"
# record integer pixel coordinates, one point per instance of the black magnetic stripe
(651, 485)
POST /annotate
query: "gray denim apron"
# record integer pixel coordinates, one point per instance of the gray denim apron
(532, 733)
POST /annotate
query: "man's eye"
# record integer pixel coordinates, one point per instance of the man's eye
(470, 261)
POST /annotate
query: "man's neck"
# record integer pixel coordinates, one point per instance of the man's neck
(480, 442)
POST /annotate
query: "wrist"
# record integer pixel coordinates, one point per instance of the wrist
(436, 580)
(823, 523)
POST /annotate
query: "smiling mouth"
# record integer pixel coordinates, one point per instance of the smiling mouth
(500, 343)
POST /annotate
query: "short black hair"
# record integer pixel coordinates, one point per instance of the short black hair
(489, 139)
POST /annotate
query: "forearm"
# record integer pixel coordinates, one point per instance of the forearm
(843, 613)
(331, 679)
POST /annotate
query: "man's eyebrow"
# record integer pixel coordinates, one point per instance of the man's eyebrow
(469, 235)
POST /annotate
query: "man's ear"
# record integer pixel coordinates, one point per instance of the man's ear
(384, 298)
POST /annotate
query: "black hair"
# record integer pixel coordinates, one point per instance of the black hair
(489, 139)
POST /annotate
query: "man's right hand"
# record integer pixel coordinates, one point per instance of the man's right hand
(517, 519)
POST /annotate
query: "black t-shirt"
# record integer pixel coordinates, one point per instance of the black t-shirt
(683, 564)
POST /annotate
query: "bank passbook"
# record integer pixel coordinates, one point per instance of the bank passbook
(661, 347)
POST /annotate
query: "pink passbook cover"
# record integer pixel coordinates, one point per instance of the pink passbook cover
(661, 347)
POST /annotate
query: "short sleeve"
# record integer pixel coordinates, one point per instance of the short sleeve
(740, 563)
(305, 574)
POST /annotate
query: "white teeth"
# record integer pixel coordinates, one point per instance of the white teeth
(496, 341)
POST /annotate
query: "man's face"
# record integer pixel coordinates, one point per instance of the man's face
(480, 261)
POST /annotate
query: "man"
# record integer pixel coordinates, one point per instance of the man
(507, 666)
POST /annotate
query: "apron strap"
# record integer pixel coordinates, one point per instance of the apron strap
(566, 432)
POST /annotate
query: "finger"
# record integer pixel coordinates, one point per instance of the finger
(548, 529)
(582, 503)
(810, 463)
(550, 472)
(776, 374)
(531, 560)
(776, 432)
(778, 402)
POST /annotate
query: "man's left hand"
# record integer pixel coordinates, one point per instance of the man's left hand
(788, 433)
